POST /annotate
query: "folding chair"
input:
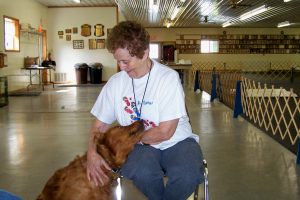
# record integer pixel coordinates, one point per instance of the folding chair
(195, 196)
(197, 193)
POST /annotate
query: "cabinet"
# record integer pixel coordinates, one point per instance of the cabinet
(242, 44)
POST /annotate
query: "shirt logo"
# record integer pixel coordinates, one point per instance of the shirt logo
(131, 109)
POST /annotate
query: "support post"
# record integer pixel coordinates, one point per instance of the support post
(213, 87)
(298, 152)
(238, 108)
(196, 84)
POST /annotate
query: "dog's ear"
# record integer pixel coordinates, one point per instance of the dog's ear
(105, 153)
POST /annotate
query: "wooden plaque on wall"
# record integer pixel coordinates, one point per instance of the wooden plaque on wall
(86, 30)
(99, 30)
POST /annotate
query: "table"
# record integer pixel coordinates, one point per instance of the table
(39, 75)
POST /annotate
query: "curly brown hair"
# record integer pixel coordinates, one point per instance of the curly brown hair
(130, 35)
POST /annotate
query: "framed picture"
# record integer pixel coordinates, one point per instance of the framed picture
(68, 31)
(60, 33)
(78, 44)
(100, 43)
(60, 36)
(92, 44)
(96, 43)
(75, 30)
(68, 37)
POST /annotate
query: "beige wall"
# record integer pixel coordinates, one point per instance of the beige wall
(169, 34)
(54, 20)
(64, 54)
(27, 11)
(57, 19)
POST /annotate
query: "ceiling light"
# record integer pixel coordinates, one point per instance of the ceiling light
(226, 24)
(76, 1)
(153, 5)
(254, 12)
(283, 24)
(175, 12)
(286, 1)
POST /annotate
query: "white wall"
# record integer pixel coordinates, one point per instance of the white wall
(27, 11)
(64, 54)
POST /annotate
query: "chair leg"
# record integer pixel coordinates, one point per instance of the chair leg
(206, 193)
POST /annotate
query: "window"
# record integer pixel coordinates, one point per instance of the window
(154, 51)
(209, 46)
(11, 34)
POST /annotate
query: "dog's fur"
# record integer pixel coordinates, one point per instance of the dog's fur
(71, 182)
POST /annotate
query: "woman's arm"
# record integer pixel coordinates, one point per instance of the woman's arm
(161, 133)
(95, 163)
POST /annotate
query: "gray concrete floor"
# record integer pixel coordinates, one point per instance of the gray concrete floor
(41, 134)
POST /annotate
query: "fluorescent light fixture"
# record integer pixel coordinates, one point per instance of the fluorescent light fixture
(226, 24)
(76, 1)
(153, 5)
(283, 24)
(256, 11)
(286, 1)
(175, 12)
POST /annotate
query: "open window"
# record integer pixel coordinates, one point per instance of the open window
(11, 34)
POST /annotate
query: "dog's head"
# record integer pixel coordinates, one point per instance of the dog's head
(115, 144)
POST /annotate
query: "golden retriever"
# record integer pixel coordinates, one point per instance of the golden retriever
(71, 182)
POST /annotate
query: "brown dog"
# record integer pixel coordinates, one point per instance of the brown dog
(71, 182)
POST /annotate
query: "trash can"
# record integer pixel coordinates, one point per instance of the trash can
(95, 72)
(3, 91)
(81, 73)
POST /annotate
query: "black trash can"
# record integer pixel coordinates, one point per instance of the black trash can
(95, 72)
(81, 73)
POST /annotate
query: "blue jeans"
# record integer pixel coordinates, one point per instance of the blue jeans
(181, 163)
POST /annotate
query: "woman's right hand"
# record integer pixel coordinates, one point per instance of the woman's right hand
(96, 167)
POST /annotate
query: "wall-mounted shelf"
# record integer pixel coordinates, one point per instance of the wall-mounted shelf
(243, 44)
(33, 32)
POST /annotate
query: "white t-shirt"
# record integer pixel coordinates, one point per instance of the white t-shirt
(163, 101)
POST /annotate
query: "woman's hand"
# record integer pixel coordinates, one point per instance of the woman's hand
(96, 167)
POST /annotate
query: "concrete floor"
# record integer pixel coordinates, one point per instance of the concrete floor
(40, 134)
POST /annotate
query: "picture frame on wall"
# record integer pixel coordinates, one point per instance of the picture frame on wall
(78, 44)
(60, 36)
(100, 43)
(96, 44)
(68, 31)
(92, 44)
(68, 37)
(75, 30)
(60, 33)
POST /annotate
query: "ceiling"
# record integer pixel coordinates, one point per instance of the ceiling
(198, 13)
